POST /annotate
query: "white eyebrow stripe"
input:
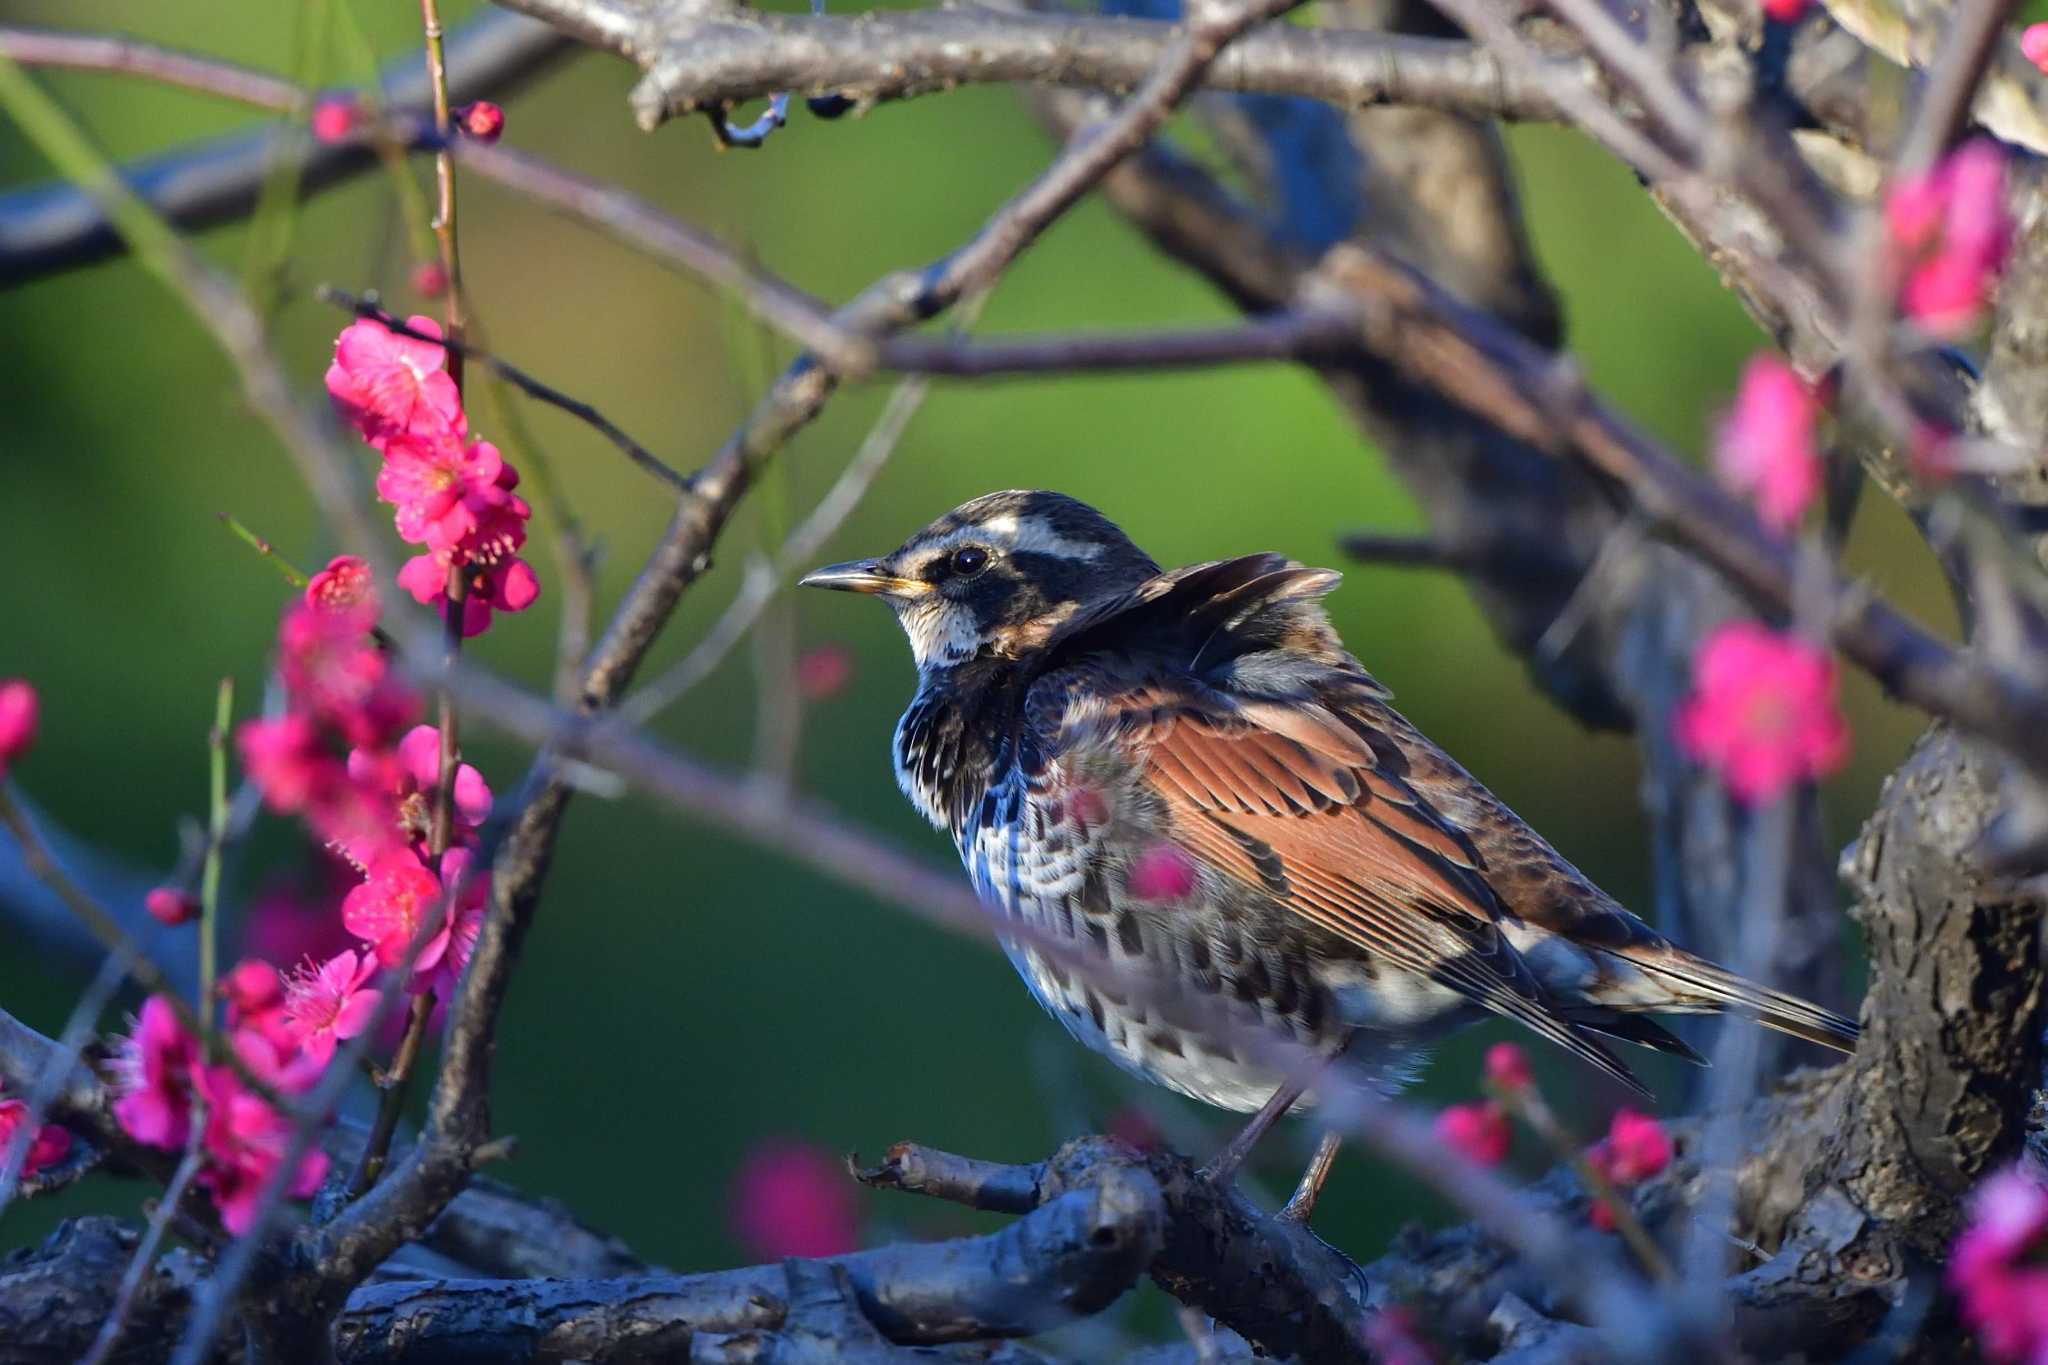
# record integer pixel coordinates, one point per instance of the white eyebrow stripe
(1012, 532)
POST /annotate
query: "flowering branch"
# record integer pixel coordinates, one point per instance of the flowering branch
(518, 378)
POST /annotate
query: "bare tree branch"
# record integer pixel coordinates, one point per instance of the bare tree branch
(57, 227)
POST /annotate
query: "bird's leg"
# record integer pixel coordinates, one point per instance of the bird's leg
(1311, 1187)
(1223, 1166)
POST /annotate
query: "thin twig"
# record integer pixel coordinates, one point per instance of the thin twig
(212, 301)
(290, 572)
(512, 374)
(51, 1079)
(1305, 335)
(216, 841)
(145, 1251)
(764, 580)
(1974, 34)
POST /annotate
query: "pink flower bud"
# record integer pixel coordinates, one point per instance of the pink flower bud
(18, 713)
(429, 279)
(483, 120)
(1507, 1066)
(1478, 1132)
(1786, 11)
(335, 118)
(168, 905)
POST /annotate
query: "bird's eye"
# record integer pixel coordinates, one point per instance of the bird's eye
(968, 561)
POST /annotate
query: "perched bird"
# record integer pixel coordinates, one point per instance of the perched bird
(1182, 777)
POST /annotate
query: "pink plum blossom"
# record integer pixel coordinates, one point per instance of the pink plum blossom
(1999, 1267)
(1950, 232)
(1478, 1132)
(331, 1003)
(507, 586)
(1640, 1146)
(152, 1073)
(440, 488)
(405, 780)
(470, 887)
(1762, 712)
(245, 1141)
(792, 1199)
(388, 909)
(344, 585)
(389, 386)
(1766, 446)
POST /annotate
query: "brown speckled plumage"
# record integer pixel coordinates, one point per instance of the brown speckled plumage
(1347, 884)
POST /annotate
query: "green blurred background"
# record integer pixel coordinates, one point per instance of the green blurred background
(685, 996)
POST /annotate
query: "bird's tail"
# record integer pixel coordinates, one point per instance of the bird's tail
(1700, 986)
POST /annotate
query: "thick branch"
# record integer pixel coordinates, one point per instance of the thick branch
(694, 61)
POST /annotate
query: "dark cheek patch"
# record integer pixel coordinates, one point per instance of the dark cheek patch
(1000, 597)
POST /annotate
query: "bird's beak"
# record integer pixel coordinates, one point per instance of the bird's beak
(861, 575)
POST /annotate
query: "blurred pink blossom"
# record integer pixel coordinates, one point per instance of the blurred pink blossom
(170, 906)
(335, 118)
(1999, 1267)
(45, 1149)
(793, 1199)
(1163, 871)
(1507, 1066)
(2034, 45)
(1762, 712)
(344, 585)
(152, 1072)
(1478, 1132)
(18, 712)
(1640, 1146)
(1950, 231)
(824, 672)
(1766, 446)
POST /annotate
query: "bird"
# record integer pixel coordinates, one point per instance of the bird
(1208, 837)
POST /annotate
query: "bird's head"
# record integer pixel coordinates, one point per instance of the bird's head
(996, 575)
